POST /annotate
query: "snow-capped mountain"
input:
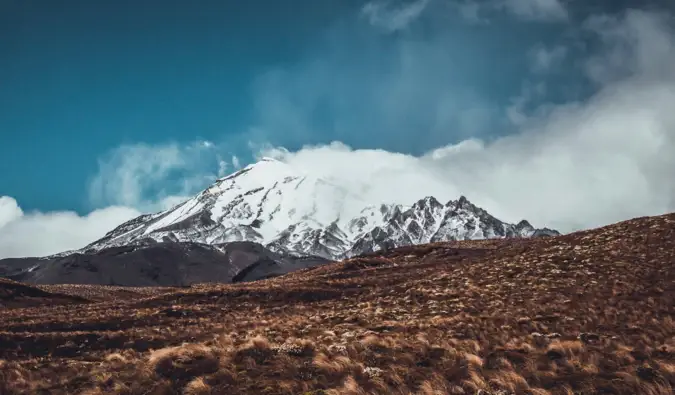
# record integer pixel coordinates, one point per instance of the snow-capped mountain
(271, 203)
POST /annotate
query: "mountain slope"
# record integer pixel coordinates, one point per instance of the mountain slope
(287, 210)
(586, 313)
(159, 264)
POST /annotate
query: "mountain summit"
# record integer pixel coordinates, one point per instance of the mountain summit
(289, 211)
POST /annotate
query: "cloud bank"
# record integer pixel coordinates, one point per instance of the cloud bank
(40, 234)
(585, 166)
(575, 165)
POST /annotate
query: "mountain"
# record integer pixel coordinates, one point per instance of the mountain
(158, 264)
(292, 212)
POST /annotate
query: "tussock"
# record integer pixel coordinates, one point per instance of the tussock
(586, 313)
(184, 362)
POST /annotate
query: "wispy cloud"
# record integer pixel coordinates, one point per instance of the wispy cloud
(367, 90)
(392, 18)
(637, 44)
(547, 59)
(480, 11)
(530, 95)
(153, 177)
(470, 11)
(541, 10)
(235, 162)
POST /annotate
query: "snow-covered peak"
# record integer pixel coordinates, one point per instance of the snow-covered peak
(265, 168)
(272, 203)
(269, 159)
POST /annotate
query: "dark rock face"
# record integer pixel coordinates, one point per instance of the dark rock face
(158, 264)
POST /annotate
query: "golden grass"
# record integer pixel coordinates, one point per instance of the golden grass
(587, 313)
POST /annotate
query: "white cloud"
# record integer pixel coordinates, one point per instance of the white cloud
(235, 162)
(39, 234)
(586, 165)
(381, 15)
(9, 210)
(576, 165)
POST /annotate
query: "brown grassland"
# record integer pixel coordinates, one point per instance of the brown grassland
(585, 313)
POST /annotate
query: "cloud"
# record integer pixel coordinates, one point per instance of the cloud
(222, 167)
(477, 11)
(531, 93)
(131, 179)
(470, 11)
(539, 10)
(154, 177)
(368, 90)
(546, 59)
(571, 165)
(40, 234)
(235, 162)
(391, 19)
(9, 210)
(639, 44)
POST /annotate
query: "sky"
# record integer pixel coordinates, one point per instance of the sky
(558, 111)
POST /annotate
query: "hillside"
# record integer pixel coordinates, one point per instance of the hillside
(169, 264)
(585, 313)
(18, 295)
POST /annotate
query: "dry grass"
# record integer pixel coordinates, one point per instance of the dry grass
(14, 294)
(106, 292)
(587, 313)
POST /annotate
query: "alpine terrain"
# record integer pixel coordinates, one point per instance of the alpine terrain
(585, 313)
(291, 212)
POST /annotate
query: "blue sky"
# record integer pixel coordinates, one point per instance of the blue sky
(138, 104)
(80, 78)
